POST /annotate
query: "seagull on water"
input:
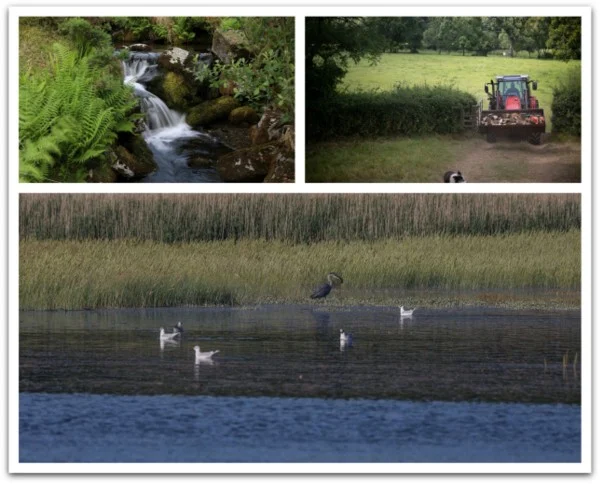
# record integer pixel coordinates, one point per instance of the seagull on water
(168, 336)
(178, 328)
(206, 355)
(406, 313)
(345, 338)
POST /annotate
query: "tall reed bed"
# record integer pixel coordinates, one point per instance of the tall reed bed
(291, 218)
(127, 273)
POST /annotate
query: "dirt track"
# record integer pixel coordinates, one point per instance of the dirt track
(519, 161)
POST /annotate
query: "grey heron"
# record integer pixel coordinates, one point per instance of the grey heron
(326, 288)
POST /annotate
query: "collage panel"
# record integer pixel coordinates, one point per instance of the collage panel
(439, 328)
(443, 99)
(156, 99)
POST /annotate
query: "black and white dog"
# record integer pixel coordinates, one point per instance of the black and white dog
(454, 177)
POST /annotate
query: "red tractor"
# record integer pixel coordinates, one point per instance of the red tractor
(512, 110)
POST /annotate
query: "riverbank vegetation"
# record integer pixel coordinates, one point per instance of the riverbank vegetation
(99, 251)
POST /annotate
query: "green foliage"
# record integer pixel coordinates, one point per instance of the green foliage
(566, 104)
(565, 37)
(331, 42)
(403, 111)
(91, 41)
(230, 23)
(68, 116)
(268, 77)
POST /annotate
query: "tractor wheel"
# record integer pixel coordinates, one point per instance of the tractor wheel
(535, 138)
(490, 137)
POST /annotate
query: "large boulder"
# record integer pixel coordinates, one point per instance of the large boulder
(230, 45)
(176, 90)
(248, 164)
(212, 111)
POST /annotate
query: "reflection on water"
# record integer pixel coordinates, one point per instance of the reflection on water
(478, 354)
(478, 385)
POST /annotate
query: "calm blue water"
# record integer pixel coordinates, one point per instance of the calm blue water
(471, 385)
(102, 428)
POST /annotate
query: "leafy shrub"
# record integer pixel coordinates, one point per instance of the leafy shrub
(90, 40)
(267, 78)
(402, 111)
(68, 116)
(566, 104)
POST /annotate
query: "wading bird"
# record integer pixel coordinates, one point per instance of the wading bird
(406, 313)
(207, 355)
(167, 336)
(326, 288)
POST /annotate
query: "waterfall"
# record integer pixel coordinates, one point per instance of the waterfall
(142, 67)
(167, 132)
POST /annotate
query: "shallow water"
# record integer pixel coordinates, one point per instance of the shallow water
(475, 383)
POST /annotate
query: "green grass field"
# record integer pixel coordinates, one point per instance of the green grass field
(425, 159)
(126, 273)
(466, 73)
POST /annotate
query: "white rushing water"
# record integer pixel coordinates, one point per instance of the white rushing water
(166, 128)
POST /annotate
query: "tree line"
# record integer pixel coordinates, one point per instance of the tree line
(331, 42)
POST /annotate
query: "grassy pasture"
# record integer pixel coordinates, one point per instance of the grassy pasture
(466, 73)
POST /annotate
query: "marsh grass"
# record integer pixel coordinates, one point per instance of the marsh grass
(134, 273)
(291, 218)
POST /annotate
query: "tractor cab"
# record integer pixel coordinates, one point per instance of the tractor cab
(511, 93)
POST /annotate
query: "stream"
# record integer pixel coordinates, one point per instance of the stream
(171, 140)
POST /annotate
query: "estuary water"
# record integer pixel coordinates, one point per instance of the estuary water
(471, 385)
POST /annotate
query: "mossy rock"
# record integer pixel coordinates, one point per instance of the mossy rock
(132, 159)
(243, 114)
(176, 90)
(103, 173)
(210, 112)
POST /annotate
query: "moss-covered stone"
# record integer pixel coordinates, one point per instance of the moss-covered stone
(103, 173)
(176, 90)
(132, 158)
(209, 112)
(243, 114)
